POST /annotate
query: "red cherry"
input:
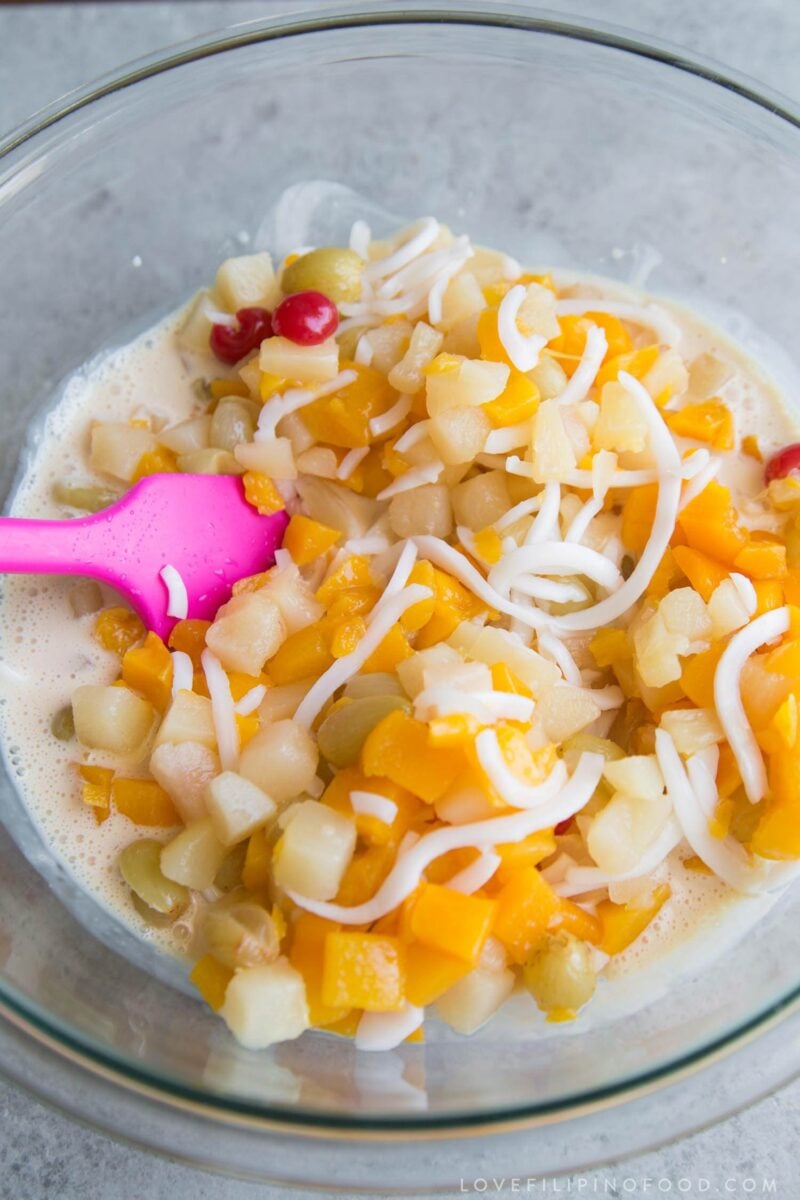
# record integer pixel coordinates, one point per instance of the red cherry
(784, 463)
(562, 826)
(306, 318)
(232, 343)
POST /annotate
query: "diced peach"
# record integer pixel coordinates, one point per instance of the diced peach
(363, 970)
(451, 922)
(704, 573)
(526, 905)
(148, 669)
(623, 923)
(398, 749)
(710, 524)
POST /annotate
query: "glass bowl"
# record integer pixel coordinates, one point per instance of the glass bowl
(567, 145)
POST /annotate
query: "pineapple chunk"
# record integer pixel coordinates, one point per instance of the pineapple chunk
(549, 377)
(493, 646)
(692, 729)
(266, 1004)
(315, 851)
(471, 1001)
(117, 448)
(564, 711)
(301, 364)
(247, 631)
(237, 807)
(707, 374)
(462, 299)
(183, 769)
(668, 374)
(684, 612)
(411, 671)
(188, 719)
(482, 500)
(389, 343)
(281, 759)
(453, 382)
(111, 718)
(294, 598)
(425, 509)
(638, 775)
(408, 376)
(459, 434)
(537, 313)
(726, 610)
(656, 649)
(621, 424)
(622, 831)
(248, 281)
(187, 436)
(194, 856)
(274, 458)
(553, 454)
(195, 331)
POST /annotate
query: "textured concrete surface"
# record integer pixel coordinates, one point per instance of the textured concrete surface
(50, 49)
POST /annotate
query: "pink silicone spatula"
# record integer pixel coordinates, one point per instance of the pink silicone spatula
(199, 524)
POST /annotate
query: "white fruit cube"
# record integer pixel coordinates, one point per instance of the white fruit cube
(564, 711)
(553, 453)
(117, 448)
(194, 856)
(408, 375)
(247, 282)
(621, 424)
(471, 1001)
(281, 759)
(266, 1004)
(301, 364)
(315, 851)
(459, 434)
(237, 807)
(453, 381)
(246, 631)
(188, 719)
(111, 718)
(639, 775)
(183, 769)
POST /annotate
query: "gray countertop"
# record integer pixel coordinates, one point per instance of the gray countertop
(50, 49)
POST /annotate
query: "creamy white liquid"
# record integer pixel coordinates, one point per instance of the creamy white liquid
(45, 653)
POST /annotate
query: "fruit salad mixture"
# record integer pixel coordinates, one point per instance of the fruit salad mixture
(521, 649)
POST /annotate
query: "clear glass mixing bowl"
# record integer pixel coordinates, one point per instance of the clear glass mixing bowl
(566, 145)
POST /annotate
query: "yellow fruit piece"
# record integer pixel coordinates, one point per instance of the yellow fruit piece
(770, 594)
(343, 418)
(751, 448)
(143, 802)
(568, 347)
(260, 491)
(777, 835)
(638, 514)
(528, 853)
(578, 922)
(363, 970)
(517, 402)
(365, 874)
(118, 629)
(710, 524)
(728, 777)
(697, 675)
(419, 614)
(622, 923)
(704, 573)
(529, 766)
(211, 978)
(504, 680)
(227, 387)
(456, 729)
(452, 604)
(306, 956)
(761, 559)
(526, 906)
(346, 636)
(247, 727)
(635, 362)
(696, 864)
(398, 749)
(306, 539)
(451, 922)
(393, 463)
(710, 422)
(160, 461)
(429, 973)
(393, 650)
(609, 646)
(240, 684)
(488, 545)
(371, 829)
(96, 790)
(147, 669)
(666, 576)
(190, 637)
(257, 861)
(353, 573)
(268, 385)
(304, 653)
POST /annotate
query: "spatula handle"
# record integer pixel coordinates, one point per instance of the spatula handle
(46, 547)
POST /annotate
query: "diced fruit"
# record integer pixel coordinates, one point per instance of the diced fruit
(305, 653)
(315, 851)
(727, 609)
(762, 559)
(246, 280)
(493, 646)
(430, 973)
(342, 734)
(710, 524)
(710, 422)
(183, 769)
(451, 922)
(553, 453)
(281, 759)
(526, 905)
(231, 343)
(777, 835)
(637, 775)
(237, 807)
(111, 718)
(398, 749)
(118, 629)
(190, 637)
(306, 540)
(422, 510)
(705, 574)
(211, 978)
(363, 970)
(241, 934)
(209, 462)
(482, 500)
(408, 375)
(334, 270)
(144, 802)
(188, 719)
(148, 669)
(623, 830)
(117, 448)
(231, 424)
(459, 434)
(293, 597)
(564, 711)
(266, 1004)
(559, 974)
(247, 631)
(692, 729)
(343, 418)
(471, 1001)
(300, 364)
(453, 381)
(622, 923)
(187, 436)
(306, 318)
(621, 424)
(638, 514)
(140, 867)
(194, 856)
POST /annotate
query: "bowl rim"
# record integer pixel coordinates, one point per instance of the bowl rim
(79, 1050)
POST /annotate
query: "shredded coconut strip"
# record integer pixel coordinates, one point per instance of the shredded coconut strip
(545, 524)
(372, 804)
(378, 426)
(649, 315)
(553, 648)
(364, 351)
(509, 786)
(585, 373)
(251, 700)
(444, 556)
(420, 234)
(476, 874)
(523, 509)
(385, 614)
(510, 437)
(414, 478)
(697, 483)
(554, 590)
(360, 237)
(747, 593)
(669, 487)
(222, 710)
(578, 880)
(351, 461)
(724, 856)
(728, 697)
(553, 558)
(522, 349)
(407, 870)
(278, 407)
(582, 520)
(177, 596)
(411, 436)
(182, 672)
(402, 570)
(442, 701)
